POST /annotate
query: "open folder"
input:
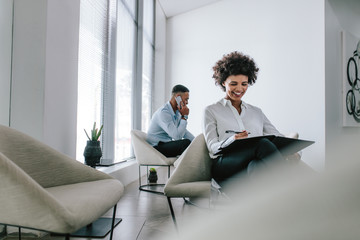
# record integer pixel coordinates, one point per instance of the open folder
(285, 145)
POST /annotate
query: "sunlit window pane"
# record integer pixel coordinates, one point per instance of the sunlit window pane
(124, 78)
(92, 41)
(131, 5)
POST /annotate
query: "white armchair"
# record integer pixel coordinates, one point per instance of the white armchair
(192, 177)
(45, 190)
(147, 155)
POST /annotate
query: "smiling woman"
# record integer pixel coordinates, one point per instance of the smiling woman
(231, 118)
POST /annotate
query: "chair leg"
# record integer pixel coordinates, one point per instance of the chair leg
(67, 237)
(113, 222)
(172, 213)
(19, 233)
(139, 176)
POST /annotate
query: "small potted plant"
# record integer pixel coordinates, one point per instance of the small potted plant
(92, 152)
(152, 176)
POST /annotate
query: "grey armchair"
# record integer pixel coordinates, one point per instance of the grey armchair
(192, 176)
(46, 190)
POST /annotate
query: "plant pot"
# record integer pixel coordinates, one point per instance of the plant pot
(92, 153)
(152, 179)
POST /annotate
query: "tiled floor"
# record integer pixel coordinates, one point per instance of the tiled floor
(146, 216)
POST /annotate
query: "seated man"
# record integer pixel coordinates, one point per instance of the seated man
(167, 131)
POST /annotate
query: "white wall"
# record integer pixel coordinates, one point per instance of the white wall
(44, 85)
(341, 142)
(28, 72)
(61, 74)
(6, 10)
(285, 38)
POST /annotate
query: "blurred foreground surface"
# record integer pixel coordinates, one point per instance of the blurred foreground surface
(286, 202)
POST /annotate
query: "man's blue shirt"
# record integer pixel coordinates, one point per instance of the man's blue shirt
(167, 125)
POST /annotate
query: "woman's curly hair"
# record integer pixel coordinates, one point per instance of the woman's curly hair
(234, 63)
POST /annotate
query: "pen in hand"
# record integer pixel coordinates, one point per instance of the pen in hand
(236, 132)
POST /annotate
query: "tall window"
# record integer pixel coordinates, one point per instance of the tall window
(92, 54)
(148, 62)
(109, 56)
(125, 75)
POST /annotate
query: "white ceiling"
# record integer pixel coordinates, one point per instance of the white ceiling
(174, 7)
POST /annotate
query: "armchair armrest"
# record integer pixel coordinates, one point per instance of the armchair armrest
(42, 163)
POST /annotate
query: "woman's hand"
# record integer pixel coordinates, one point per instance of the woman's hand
(241, 135)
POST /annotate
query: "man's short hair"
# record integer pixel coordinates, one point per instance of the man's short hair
(179, 88)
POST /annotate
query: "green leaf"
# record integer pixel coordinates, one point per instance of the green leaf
(95, 133)
(87, 135)
(99, 133)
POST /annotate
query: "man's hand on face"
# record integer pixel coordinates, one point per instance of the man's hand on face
(184, 110)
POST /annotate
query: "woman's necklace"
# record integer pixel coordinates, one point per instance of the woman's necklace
(238, 108)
